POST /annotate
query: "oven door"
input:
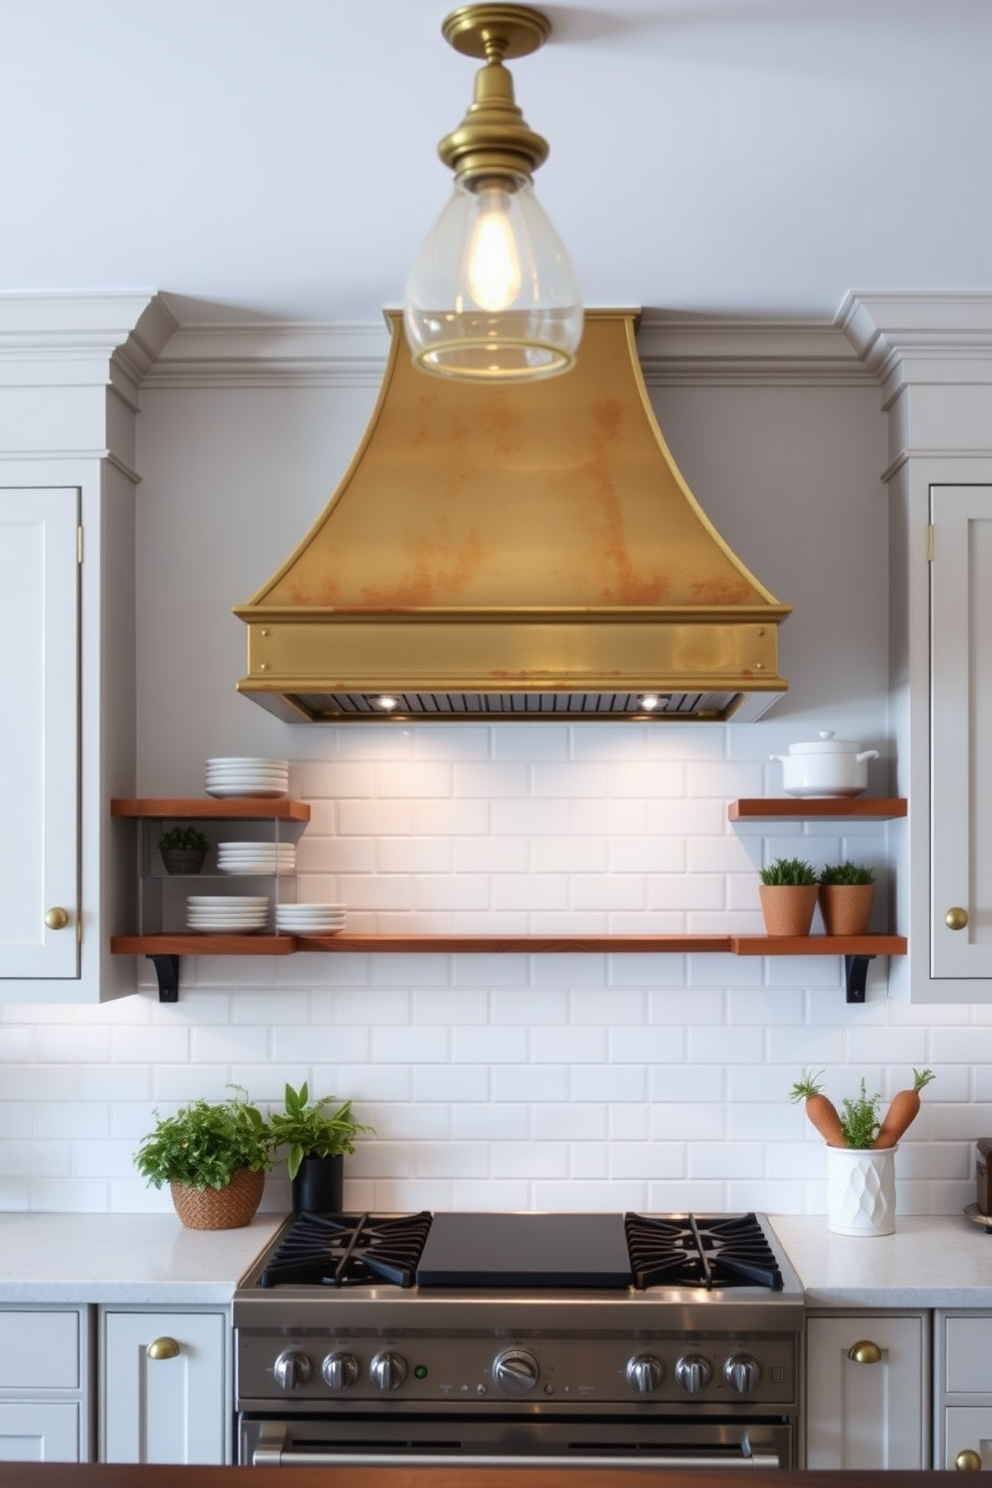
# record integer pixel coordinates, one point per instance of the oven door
(431, 1440)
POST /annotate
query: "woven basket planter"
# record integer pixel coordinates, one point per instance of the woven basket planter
(220, 1208)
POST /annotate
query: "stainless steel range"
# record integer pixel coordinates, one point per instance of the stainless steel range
(589, 1338)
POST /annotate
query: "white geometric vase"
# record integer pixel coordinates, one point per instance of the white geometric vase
(861, 1190)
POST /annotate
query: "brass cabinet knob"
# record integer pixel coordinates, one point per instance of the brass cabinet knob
(968, 1461)
(56, 918)
(956, 918)
(865, 1352)
(163, 1348)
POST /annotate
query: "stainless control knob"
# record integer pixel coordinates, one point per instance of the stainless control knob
(516, 1372)
(292, 1370)
(388, 1371)
(645, 1373)
(693, 1373)
(742, 1373)
(340, 1371)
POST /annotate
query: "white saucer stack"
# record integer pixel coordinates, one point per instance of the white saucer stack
(238, 776)
(234, 914)
(256, 857)
(310, 919)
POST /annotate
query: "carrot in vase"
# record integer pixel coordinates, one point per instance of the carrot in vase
(820, 1109)
(903, 1110)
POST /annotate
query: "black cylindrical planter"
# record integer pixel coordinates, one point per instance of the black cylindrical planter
(318, 1187)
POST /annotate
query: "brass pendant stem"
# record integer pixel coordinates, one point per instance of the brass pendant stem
(494, 139)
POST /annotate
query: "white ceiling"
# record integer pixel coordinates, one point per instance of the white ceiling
(277, 157)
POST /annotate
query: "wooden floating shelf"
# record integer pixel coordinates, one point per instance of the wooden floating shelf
(182, 944)
(764, 808)
(210, 808)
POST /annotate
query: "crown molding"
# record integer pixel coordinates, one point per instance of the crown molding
(905, 336)
(272, 354)
(729, 351)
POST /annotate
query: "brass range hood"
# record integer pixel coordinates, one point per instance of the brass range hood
(509, 552)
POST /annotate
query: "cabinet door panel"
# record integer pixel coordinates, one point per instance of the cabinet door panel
(967, 1428)
(39, 1350)
(961, 726)
(31, 1432)
(867, 1416)
(39, 579)
(165, 1410)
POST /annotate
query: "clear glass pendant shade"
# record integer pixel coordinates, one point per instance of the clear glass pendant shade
(492, 294)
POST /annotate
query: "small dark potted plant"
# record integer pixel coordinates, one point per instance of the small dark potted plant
(847, 891)
(788, 891)
(316, 1141)
(214, 1156)
(183, 849)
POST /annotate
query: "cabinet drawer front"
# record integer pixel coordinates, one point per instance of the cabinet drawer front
(968, 1356)
(40, 1433)
(39, 1350)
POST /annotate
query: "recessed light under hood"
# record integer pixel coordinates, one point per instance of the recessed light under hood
(514, 552)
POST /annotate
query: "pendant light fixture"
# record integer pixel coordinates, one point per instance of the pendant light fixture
(493, 295)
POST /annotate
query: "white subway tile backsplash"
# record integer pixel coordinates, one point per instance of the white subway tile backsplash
(575, 1080)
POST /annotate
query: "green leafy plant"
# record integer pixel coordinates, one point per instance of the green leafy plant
(306, 1130)
(859, 1119)
(847, 873)
(205, 1143)
(788, 871)
(182, 839)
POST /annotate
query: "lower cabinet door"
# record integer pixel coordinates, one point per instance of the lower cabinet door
(165, 1388)
(867, 1391)
(40, 1431)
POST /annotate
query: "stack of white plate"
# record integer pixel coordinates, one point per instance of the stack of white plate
(234, 914)
(310, 919)
(256, 857)
(236, 776)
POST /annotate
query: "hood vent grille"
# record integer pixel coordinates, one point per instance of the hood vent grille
(514, 552)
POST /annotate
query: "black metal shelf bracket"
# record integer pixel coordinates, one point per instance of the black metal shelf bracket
(167, 971)
(856, 976)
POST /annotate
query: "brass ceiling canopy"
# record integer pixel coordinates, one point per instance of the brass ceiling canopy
(514, 552)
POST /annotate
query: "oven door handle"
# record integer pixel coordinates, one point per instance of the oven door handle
(273, 1452)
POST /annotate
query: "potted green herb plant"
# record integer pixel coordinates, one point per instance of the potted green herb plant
(316, 1141)
(183, 849)
(861, 1148)
(847, 891)
(214, 1157)
(788, 891)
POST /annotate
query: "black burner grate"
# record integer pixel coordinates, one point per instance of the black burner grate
(342, 1250)
(700, 1252)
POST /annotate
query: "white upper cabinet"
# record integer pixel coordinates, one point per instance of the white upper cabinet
(68, 412)
(933, 358)
(39, 758)
(961, 732)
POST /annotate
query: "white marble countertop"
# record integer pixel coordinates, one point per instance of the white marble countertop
(932, 1261)
(151, 1260)
(141, 1259)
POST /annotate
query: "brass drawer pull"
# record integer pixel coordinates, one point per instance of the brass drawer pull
(865, 1352)
(163, 1348)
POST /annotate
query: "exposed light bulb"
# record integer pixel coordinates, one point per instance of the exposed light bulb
(493, 271)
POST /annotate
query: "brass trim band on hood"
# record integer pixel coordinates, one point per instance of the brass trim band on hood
(514, 552)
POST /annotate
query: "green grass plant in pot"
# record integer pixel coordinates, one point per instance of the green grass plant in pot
(788, 891)
(316, 1141)
(847, 892)
(214, 1156)
(183, 849)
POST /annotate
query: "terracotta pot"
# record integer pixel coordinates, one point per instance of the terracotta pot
(846, 908)
(788, 908)
(220, 1208)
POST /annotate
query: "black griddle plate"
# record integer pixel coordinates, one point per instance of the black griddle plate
(525, 1250)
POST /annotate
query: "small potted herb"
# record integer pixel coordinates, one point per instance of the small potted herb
(316, 1141)
(183, 849)
(214, 1157)
(847, 892)
(788, 891)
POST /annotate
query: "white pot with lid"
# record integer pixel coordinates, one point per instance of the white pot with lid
(825, 767)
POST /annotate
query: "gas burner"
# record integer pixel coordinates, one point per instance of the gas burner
(342, 1250)
(700, 1252)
